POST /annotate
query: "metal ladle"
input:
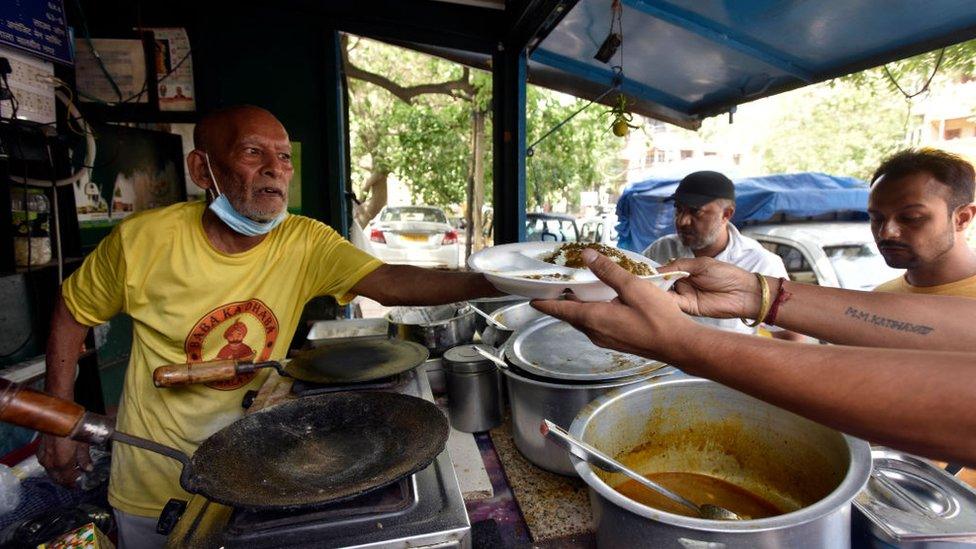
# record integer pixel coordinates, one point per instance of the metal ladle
(488, 318)
(595, 457)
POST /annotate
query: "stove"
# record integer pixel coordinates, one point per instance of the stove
(423, 510)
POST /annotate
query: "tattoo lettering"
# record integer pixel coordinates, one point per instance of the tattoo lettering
(883, 322)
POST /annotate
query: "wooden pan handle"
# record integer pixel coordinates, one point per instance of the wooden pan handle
(177, 375)
(49, 414)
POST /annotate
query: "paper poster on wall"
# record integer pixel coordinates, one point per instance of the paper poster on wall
(174, 70)
(125, 60)
(295, 187)
(135, 170)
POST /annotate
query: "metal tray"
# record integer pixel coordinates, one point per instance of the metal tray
(915, 501)
(552, 349)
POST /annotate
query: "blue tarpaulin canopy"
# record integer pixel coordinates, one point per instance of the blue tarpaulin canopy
(643, 216)
(696, 58)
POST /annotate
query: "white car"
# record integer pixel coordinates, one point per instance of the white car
(414, 235)
(601, 229)
(835, 254)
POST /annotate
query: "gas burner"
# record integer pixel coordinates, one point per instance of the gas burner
(377, 505)
(424, 509)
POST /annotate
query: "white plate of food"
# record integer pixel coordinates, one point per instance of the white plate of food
(546, 270)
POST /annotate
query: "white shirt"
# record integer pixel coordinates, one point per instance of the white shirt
(741, 251)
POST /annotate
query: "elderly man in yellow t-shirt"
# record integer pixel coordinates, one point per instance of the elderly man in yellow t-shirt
(201, 280)
(920, 205)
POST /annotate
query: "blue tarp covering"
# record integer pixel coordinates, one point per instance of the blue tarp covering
(643, 216)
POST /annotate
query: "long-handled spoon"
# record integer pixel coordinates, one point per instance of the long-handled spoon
(489, 319)
(593, 456)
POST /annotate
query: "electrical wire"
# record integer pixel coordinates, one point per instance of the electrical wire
(91, 46)
(925, 87)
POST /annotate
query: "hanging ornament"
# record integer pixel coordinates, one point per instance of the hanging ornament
(620, 123)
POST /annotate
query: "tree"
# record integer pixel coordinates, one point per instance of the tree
(841, 129)
(583, 155)
(426, 120)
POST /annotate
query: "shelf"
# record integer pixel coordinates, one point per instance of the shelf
(48, 265)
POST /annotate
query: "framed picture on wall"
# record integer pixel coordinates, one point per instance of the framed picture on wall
(134, 170)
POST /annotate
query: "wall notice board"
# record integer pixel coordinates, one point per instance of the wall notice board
(36, 26)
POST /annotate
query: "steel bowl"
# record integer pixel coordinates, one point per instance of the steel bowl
(491, 304)
(513, 317)
(438, 328)
(688, 424)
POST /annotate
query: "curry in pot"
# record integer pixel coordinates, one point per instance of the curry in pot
(700, 489)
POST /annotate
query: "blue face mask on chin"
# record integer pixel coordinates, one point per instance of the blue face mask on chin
(232, 218)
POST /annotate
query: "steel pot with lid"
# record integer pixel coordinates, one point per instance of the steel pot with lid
(556, 371)
(682, 424)
(909, 503)
(474, 390)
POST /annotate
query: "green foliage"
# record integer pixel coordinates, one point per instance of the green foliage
(427, 143)
(580, 156)
(841, 129)
(431, 149)
(912, 73)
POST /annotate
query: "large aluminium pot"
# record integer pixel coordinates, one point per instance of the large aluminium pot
(687, 424)
(533, 399)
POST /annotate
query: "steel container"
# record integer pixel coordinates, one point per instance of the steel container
(491, 304)
(533, 399)
(438, 328)
(512, 317)
(909, 503)
(474, 393)
(686, 424)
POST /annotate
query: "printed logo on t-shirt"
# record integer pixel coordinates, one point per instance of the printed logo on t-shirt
(243, 330)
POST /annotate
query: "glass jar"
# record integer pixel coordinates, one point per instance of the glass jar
(31, 214)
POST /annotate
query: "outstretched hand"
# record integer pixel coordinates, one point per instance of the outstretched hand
(642, 320)
(715, 289)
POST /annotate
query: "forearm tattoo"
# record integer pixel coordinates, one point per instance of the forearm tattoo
(889, 323)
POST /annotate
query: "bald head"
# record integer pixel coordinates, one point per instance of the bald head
(218, 129)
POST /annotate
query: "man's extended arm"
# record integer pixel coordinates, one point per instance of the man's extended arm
(63, 458)
(407, 285)
(894, 397)
(847, 317)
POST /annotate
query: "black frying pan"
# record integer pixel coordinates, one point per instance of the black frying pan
(301, 453)
(345, 362)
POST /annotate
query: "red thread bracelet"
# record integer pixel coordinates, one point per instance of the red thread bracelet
(782, 296)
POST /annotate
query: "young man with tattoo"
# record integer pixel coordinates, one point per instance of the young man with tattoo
(901, 365)
(921, 204)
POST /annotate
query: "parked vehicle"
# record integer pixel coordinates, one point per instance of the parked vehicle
(601, 229)
(549, 227)
(836, 254)
(414, 235)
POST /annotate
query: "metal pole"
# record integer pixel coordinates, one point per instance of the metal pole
(508, 134)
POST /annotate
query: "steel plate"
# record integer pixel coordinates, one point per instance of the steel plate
(551, 348)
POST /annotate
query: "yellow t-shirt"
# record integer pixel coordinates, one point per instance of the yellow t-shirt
(961, 288)
(190, 303)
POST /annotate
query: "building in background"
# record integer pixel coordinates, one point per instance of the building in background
(946, 119)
